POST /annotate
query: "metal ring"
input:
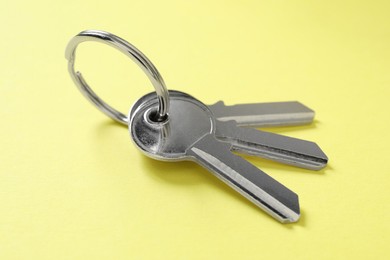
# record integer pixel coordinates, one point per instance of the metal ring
(133, 53)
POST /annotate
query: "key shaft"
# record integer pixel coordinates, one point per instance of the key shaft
(264, 114)
(284, 149)
(265, 192)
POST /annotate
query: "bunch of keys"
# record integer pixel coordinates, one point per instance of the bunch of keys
(174, 126)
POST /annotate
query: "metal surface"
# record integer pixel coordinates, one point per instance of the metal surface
(189, 134)
(134, 54)
(264, 114)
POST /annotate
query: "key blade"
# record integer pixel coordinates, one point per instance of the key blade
(284, 149)
(264, 114)
(265, 192)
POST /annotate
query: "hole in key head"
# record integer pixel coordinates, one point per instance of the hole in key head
(154, 117)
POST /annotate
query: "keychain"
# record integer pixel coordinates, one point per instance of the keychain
(174, 126)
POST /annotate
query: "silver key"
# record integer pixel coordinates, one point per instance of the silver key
(284, 149)
(264, 114)
(189, 134)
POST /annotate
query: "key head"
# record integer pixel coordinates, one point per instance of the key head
(188, 121)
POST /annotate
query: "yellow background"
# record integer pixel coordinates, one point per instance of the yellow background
(73, 186)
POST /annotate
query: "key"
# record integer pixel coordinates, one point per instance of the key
(284, 149)
(189, 134)
(264, 114)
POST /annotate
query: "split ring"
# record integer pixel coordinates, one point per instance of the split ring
(135, 55)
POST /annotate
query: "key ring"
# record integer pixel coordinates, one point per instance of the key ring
(135, 55)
